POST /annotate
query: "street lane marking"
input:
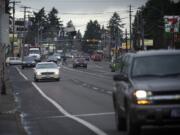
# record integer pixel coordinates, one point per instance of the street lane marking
(95, 88)
(101, 76)
(94, 114)
(21, 73)
(109, 92)
(62, 110)
(77, 115)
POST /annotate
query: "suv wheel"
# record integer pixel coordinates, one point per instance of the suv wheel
(120, 121)
(132, 127)
(35, 79)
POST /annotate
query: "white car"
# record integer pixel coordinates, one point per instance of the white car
(46, 70)
(13, 61)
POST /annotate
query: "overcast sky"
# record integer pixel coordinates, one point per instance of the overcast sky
(81, 11)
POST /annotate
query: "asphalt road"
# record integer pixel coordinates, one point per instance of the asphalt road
(79, 104)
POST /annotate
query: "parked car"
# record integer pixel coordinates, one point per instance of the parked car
(46, 70)
(147, 90)
(57, 55)
(96, 57)
(87, 57)
(52, 58)
(79, 62)
(28, 62)
(13, 61)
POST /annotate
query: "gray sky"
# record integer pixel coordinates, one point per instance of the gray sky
(81, 11)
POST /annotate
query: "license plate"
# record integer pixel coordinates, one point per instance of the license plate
(175, 113)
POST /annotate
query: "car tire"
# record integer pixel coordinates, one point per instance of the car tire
(120, 121)
(74, 66)
(35, 79)
(133, 128)
(58, 79)
(22, 67)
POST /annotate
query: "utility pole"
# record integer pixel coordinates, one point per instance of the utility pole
(142, 31)
(130, 23)
(12, 45)
(126, 41)
(24, 35)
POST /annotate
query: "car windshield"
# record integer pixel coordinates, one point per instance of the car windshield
(29, 58)
(46, 66)
(34, 52)
(156, 65)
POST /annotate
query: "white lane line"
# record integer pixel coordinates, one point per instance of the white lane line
(101, 76)
(95, 88)
(21, 73)
(109, 92)
(94, 114)
(61, 109)
(78, 115)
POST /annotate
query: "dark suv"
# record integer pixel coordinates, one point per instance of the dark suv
(147, 90)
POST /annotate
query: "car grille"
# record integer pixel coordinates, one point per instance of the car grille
(47, 73)
(165, 97)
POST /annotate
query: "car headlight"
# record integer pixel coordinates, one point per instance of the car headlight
(142, 97)
(141, 94)
(56, 72)
(38, 73)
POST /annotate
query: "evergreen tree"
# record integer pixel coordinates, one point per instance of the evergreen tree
(93, 30)
(115, 27)
(153, 15)
(54, 23)
(39, 23)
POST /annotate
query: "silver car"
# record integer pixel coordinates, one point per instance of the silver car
(13, 61)
(46, 70)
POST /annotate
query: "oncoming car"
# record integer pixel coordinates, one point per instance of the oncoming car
(79, 62)
(13, 61)
(147, 90)
(28, 62)
(46, 70)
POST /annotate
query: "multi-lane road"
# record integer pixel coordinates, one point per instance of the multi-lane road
(79, 104)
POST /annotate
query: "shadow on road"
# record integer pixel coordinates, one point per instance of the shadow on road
(166, 130)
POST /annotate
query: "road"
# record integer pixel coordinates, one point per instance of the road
(79, 104)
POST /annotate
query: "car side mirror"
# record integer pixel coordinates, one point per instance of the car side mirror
(120, 77)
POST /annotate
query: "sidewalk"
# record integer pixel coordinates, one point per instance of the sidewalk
(10, 121)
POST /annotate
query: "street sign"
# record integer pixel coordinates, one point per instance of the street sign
(172, 23)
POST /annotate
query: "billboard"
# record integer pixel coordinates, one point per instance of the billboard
(172, 23)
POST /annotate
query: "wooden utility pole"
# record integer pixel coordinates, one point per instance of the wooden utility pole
(130, 29)
(12, 44)
(126, 41)
(24, 35)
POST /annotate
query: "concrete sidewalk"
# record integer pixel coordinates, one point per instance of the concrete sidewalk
(10, 121)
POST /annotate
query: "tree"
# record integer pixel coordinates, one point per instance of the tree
(54, 23)
(153, 15)
(93, 30)
(78, 35)
(92, 36)
(71, 34)
(39, 23)
(115, 26)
